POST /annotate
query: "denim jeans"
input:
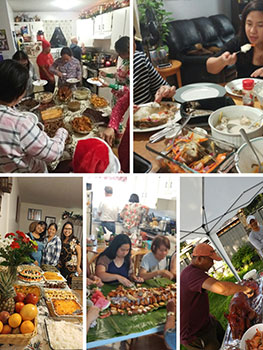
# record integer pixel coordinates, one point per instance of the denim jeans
(110, 225)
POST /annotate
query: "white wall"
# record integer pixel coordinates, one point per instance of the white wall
(8, 211)
(186, 9)
(5, 23)
(46, 211)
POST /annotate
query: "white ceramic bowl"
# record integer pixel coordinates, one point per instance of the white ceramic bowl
(249, 334)
(251, 274)
(233, 112)
(244, 157)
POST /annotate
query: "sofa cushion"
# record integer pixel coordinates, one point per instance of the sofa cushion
(223, 27)
(208, 32)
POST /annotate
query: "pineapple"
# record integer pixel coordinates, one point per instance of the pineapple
(7, 292)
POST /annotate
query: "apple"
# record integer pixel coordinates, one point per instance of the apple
(4, 316)
(19, 306)
(31, 299)
(19, 297)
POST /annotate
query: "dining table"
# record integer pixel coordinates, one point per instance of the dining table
(141, 139)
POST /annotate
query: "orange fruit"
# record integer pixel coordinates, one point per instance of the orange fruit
(1, 326)
(27, 327)
(28, 312)
(14, 320)
(6, 329)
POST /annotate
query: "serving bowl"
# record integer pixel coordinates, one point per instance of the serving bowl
(245, 158)
(249, 334)
(234, 113)
(251, 274)
(44, 97)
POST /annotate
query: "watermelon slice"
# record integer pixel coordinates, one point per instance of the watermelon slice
(102, 303)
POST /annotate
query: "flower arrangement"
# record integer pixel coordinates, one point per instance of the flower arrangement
(18, 251)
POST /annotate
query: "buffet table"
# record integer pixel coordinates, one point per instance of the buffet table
(141, 139)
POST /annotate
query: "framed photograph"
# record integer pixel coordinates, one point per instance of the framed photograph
(50, 220)
(34, 214)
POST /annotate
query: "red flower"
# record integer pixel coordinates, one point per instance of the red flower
(10, 234)
(15, 245)
(26, 240)
(21, 234)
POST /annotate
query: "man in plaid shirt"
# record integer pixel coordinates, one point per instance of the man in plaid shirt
(52, 246)
(23, 146)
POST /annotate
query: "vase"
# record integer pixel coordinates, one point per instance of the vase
(13, 271)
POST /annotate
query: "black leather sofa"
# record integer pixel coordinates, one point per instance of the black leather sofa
(211, 32)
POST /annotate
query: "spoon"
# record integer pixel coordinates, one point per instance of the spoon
(255, 122)
(246, 139)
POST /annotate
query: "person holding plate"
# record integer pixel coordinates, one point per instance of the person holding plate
(44, 61)
(21, 57)
(246, 49)
(66, 67)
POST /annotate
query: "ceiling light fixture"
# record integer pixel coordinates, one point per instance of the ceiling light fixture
(65, 5)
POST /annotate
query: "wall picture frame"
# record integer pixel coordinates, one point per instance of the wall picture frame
(50, 220)
(34, 214)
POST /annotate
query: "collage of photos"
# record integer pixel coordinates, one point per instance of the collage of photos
(131, 204)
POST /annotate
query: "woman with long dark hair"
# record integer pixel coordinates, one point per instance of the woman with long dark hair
(114, 263)
(22, 58)
(38, 235)
(70, 256)
(52, 246)
(249, 63)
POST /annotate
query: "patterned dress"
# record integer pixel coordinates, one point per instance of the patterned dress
(132, 214)
(68, 259)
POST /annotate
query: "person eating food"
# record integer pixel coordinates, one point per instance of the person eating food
(44, 62)
(154, 264)
(114, 264)
(24, 147)
(249, 41)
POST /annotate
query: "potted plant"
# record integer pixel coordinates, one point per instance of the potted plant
(154, 24)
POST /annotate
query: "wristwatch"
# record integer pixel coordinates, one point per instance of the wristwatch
(170, 313)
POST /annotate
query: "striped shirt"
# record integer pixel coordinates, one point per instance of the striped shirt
(72, 69)
(146, 80)
(51, 252)
(24, 148)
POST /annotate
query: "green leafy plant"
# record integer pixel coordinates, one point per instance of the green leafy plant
(244, 256)
(18, 249)
(162, 17)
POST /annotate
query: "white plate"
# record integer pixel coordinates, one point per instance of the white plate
(95, 82)
(199, 91)
(40, 82)
(249, 334)
(72, 80)
(176, 118)
(237, 85)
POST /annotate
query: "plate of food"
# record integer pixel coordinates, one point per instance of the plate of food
(96, 81)
(251, 339)
(53, 276)
(82, 93)
(234, 87)
(40, 82)
(82, 124)
(64, 93)
(28, 104)
(44, 97)
(154, 116)
(72, 81)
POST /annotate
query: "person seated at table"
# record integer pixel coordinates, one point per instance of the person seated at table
(249, 63)
(52, 246)
(114, 263)
(154, 263)
(66, 67)
(93, 279)
(148, 84)
(38, 235)
(169, 328)
(22, 58)
(24, 147)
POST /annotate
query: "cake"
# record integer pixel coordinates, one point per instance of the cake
(30, 275)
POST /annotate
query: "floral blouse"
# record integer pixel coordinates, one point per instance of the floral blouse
(69, 256)
(132, 214)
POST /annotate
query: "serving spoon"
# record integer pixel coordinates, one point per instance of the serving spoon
(246, 139)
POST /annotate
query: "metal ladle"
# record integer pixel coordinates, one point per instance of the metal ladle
(246, 139)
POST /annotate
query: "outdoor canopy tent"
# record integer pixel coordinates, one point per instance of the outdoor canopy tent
(207, 202)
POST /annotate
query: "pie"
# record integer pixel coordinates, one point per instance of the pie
(30, 275)
(65, 307)
(59, 294)
(53, 276)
